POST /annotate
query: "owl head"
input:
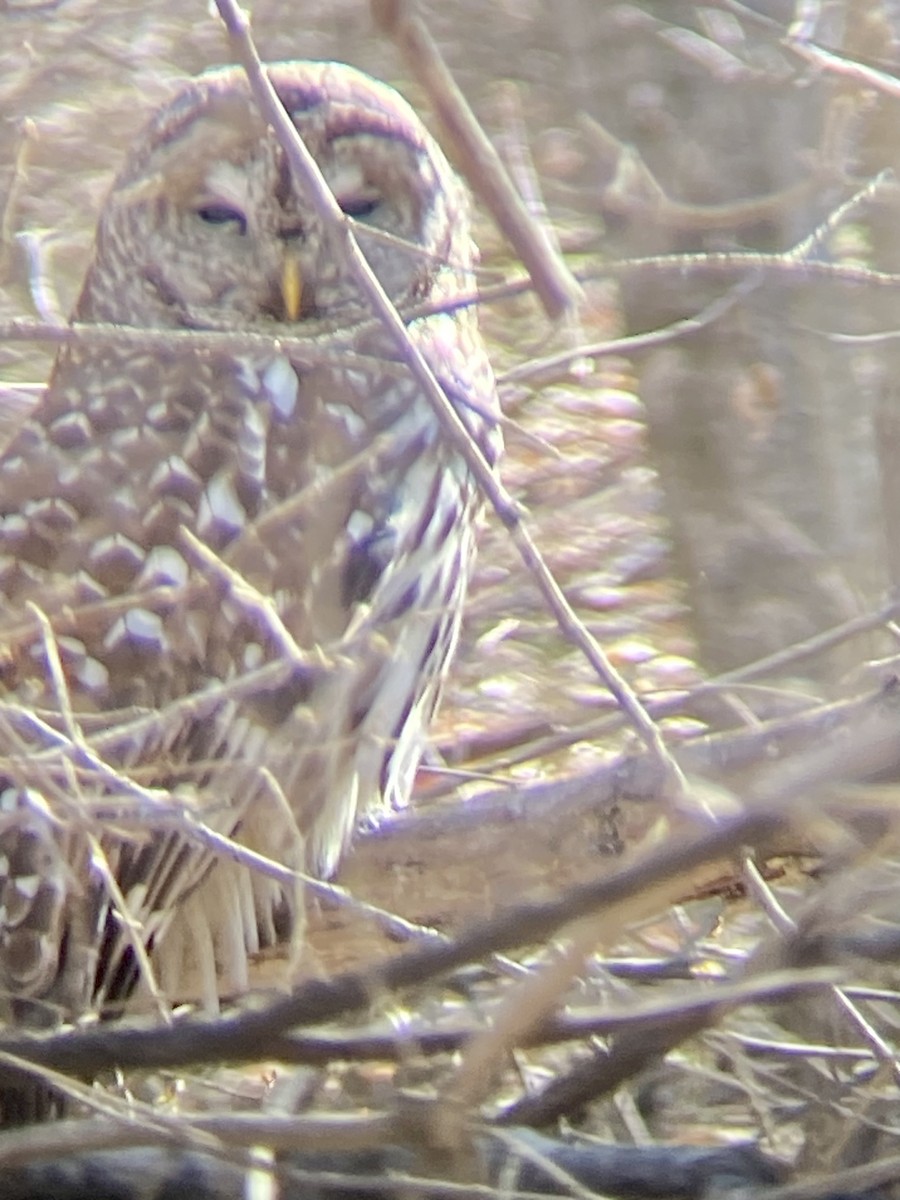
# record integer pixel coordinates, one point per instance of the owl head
(206, 223)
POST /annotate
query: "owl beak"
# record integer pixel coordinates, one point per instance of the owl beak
(291, 287)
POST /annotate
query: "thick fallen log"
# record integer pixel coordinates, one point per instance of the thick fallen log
(526, 1163)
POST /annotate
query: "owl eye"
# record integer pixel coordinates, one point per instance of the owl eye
(221, 214)
(358, 207)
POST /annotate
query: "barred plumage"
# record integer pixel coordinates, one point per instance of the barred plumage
(230, 579)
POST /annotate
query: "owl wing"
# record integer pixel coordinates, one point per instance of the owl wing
(402, 541)
(123, 453)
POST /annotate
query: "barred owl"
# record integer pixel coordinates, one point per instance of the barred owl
(231, 573)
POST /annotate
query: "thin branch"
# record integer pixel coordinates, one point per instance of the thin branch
(307, 171)
(248, 1036)
(479, 162)
(839, 64)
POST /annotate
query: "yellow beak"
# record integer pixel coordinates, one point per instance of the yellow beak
(291, 287)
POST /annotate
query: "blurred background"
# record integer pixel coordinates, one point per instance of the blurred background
(708, 497)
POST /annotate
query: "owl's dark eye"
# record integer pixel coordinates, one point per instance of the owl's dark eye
(222, 214)
(358, 207)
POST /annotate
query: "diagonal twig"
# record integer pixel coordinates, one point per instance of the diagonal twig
(305, 168)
